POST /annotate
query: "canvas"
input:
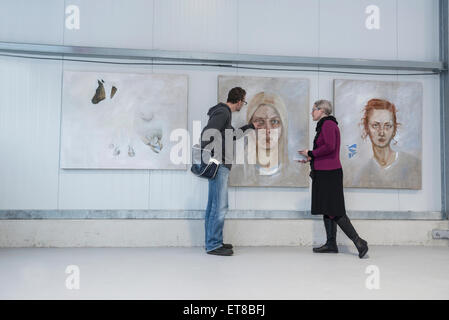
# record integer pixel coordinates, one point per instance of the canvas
(121, 120)
(282, 106)
(381, 130)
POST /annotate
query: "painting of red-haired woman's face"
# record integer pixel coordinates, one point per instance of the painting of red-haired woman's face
(381, 133)
(381, 127)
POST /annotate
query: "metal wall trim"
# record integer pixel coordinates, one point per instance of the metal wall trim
(199, 214)
(444, 106)
(216, 58)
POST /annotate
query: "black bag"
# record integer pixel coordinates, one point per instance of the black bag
(203, 165)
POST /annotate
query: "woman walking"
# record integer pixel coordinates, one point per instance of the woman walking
(327, 180)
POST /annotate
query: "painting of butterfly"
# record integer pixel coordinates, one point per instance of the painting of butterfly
(121, 120)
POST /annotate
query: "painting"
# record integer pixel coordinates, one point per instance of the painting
(279, 106)
(381, 131)
(121, 120)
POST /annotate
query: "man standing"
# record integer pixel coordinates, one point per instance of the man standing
(220, 117)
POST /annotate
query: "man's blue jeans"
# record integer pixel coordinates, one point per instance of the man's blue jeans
(217, 206)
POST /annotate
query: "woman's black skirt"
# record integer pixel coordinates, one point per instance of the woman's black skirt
(327, 192)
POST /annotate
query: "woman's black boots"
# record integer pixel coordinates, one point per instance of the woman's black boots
(331, 233)
(347, 227)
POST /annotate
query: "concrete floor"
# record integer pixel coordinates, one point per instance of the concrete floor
(252, 273)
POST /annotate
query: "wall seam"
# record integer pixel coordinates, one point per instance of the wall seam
(397, 79)
(152, 71)
(60, 113)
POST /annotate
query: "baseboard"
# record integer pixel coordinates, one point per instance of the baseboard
(173, 232)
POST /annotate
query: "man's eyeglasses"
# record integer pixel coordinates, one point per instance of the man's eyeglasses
(245, 103)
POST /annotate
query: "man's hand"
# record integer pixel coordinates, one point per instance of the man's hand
(256, 125)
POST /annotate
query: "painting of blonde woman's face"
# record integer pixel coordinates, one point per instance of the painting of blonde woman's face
(381, 127)
(269, 126)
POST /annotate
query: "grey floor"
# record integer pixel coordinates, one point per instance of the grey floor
(252, 273)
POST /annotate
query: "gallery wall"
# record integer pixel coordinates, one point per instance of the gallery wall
(30, 90)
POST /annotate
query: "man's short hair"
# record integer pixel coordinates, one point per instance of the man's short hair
(324, 105)
(236, 94)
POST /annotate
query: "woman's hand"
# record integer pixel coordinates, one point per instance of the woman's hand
(304, 161)
(304, 153)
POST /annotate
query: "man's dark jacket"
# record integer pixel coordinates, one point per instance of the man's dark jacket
(220, 118)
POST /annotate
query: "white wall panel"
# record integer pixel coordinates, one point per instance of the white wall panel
(278, 27)
(30, 97)
(104, 189)
(429, 198)
(252, 198)
(196, 25)
(30, 90)
(272, 199)
(181, 189)
(32, 21)
(112, 23)
(358, 198)
(343, 32)
(372, 199)
(177, 190)
(418, 30)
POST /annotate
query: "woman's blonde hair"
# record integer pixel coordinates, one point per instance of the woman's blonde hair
(275, 101)
(268, 99)
(378, 104)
